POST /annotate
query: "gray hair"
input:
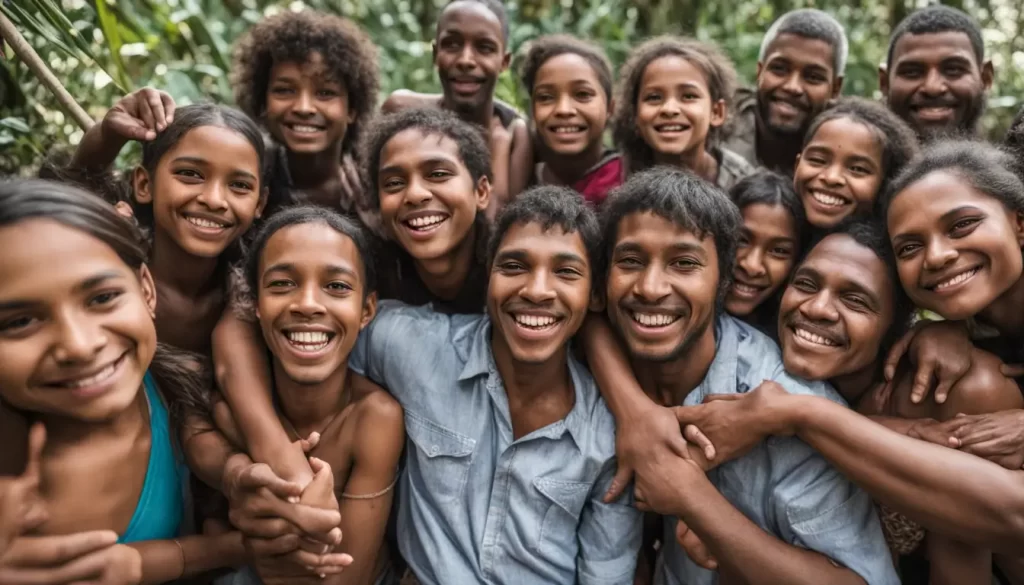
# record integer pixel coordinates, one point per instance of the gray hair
(811, 24)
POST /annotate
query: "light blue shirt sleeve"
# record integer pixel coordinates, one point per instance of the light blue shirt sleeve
(370, 352)
(609, 536)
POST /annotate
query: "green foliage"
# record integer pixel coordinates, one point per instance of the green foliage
(101, 49)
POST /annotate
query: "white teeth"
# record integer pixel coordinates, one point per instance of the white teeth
(204, 223)
(96, 378)
(813, 337)
(956, 279)
(304, 129)
(829, 200)
(534, 321)
(308, 340)
(568, 129)
(426, 221)
(654, 319)
(745, 289)
(671, 128)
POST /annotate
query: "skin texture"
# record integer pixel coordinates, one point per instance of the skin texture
(839, 172)
(764, 258)
(936, 84)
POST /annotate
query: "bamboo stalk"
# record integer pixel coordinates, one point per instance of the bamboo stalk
(35, 63)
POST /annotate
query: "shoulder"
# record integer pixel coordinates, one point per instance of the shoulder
(378, 413)
(731, 167)
(402, 99)
(984, 389)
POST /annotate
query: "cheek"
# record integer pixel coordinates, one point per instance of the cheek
(778, 271)
(20, 359)
(865, 333)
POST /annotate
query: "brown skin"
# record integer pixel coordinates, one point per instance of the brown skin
(764, 258)
(795, 81)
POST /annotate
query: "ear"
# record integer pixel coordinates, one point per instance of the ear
(797, 162)
(760, 68)
(611, 109)
(837, 87)
(718, 113)
(987, 74)
(264, 195)
(506, 60)
(124, 209)
(142, 186)
(483, 193)
(883, 80)
(597, 301)
(433, 52)
(369, 310)
(148, 289)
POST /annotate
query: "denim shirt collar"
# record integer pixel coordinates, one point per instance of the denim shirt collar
(722, 375)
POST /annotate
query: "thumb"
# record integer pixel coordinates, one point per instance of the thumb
(1012, 370)
(623, 475)
(695, 436)
(322, 485)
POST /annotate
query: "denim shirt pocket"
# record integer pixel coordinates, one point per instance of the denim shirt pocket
(442, 456)
(558, 509)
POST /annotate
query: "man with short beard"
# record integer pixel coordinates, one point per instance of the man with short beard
(935, 76)
(799, 69)
(780, 513)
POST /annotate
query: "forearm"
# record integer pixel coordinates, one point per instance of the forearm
(894, 424)
(207, 454)
(749, 553)
(966, 495)
(165, 560)
(500, 165)
(96, 151)
(611, 369)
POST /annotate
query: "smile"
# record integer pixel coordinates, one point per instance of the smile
(425, 222)
(91, 380)
(746, 290)
(304, 128)
(568, 129)
(828, 199)
(653, 319)
(958, 279)
(309, 341)
(535, 322)
(814, 338)
(671, 128)
(206, 224)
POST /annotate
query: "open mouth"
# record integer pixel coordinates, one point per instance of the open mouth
(466, 85)
(309, 341)
(812, 338)
(787, 107)
(955, 280)
(94, 382)
(425, 223)
(746, 291)
(206, 224)
(536, 322)
(656, 320)
(934, 113)
(671, 128)
(304, 128)
(568, 129)
(829, 200)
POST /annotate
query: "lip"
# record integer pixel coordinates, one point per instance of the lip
(934, 113)
(933, 284)
(294, 131)
(814, 196)
(206, 231)
(576, 132)
(787, 107)
(308, 353)
(535, 333)
(111, 372)
(424, 231)
(672, 128)
(791, 331)
(738, 291)
(669, 320)
(465, 85)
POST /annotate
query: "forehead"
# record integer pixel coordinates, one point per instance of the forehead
(531, 237)
(313, 66)
(846, 135)
(215, 144)
(769, 221)
(469, 19)
(412, 146)
(839, 258)
(672, 70)
(311, 244)
(922, 203)
(932, 47)
(655, 233)
(800, 50)
(566, 67)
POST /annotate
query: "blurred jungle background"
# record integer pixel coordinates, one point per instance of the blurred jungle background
(102, 49)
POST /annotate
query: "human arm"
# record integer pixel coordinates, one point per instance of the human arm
(168, 560)
(609, 534)
(952, 562)
(520, 159)
(499, 141)
(139, 115)
(21, 508)
(940, 352)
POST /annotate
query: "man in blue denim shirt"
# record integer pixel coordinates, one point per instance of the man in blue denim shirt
(780, 513)
(510, 447)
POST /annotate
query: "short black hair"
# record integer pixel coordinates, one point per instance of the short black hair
(1014, 138)
(551, 206)
(497, 8)
(691, 203)
(984, 167)
(430, 122)
(718, 73)
(810, 23)
(897, 139)
(348, 54)
(311, 214)
(547, 47)
(938, 19)
(771, 188)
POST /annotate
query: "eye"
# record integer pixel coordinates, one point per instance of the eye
(629, 262)
(511, 266)
(652, 97)
(392, 183)
(690, 96)
(804, 284)
(815, 160)
(584, 96)
(486, 48)
(685, 263)
(327, 93)
(189, 175)
(906, 250)
(338, 286)
(439, 174)
(569, 273)
(280, 284)
(16, 324)
(282, 90)
(860, 170)
(855, 302)
(543, 98)
(815, 78)
(778, 68)
(104, 298)
(781, 252)
(964, 225)
(242, 186)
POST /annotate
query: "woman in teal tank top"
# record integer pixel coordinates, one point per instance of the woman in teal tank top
(78, 353)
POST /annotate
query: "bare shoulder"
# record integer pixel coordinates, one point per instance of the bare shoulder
(378, 413)
(403, 99)
(984, 389)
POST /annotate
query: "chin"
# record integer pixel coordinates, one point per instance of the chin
(800, 367)
(309, 375)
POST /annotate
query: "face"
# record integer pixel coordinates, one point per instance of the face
(428, 200)
(768, 246)
(205, 191)
(957, 249)
(539, 292)
(836, 311)
(307, 109)
(674, 109)
(312, 300)
(570, 108)
(662, 285)
(839, 172)
(469, 54)
(76, 323)
(795, 81)
(935, 83)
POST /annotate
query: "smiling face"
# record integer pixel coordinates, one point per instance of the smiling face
(662, 285)
(767, 249)
(428, 200)
(935, 83)
(569, 106)
(795, 81)
(311, 300)
(307, 109)
(839, 172)
(836, 311)
(957, 250)
(76, 323)
(674, 108)
(539, 292)
(469, 53)
(205, 190)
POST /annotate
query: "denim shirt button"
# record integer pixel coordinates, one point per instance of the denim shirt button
(434, 450)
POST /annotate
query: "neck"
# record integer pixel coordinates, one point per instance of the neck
(854, 385)
(64, 432)
(698, 161)
(1004, 313)
(310, 170)
(309, 407)
(444, 277)
(175, 268)
(526, 382)
(480, 116)
(670, 382)
(567, 169)
(776, 151)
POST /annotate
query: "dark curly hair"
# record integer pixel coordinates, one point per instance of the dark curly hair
(348, 54)
(550, 46)
(718, 72)
(430, 122)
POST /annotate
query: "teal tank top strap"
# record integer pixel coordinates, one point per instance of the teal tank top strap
(161, 507)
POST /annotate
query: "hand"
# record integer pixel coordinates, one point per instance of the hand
(21, 509)
(941, 350)
(933, 431)
(997, 436)
(646, 441)
(499, 135)
(123, 567)
(693, 546)
(51, 560)
(140, 115)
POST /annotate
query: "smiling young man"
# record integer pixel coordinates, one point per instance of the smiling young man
(779, 514)
(510, 448)
(799, 69)
(936, 76)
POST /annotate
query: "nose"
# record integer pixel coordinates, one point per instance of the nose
(564, 106)
(304, 103)
(417, 193)
(465, 59)
(213, 195)
(671, 108)
(80, 338)
(934, 83)
(751, 262)
(833, 174)
(652, 284)
(792, 84)
(307, 302)
(820, 307)
(537, 288)
(938, 254)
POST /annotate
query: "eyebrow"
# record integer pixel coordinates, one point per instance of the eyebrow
(523, 256)
(330, 269)
(676, 247)
(958, 210)
(87, 284)
(202, 162)
(846, 282)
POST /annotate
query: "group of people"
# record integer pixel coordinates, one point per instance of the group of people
(771, 336)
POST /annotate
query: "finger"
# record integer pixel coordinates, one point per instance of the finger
(273, 547)
(695, 436)
(265, 528)
(44, 551)
(896, 353)
(156, 105)
(85, 569)
(1012, 370)
(623, 475)
(36, 443)
(261, 476)
(885, 393)
(132, 128)
(34, 517)
(942, 390)
(146, 114)
(694, 547)
(335, 561)
(723, 397)
(169, 106)
(922, 381)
